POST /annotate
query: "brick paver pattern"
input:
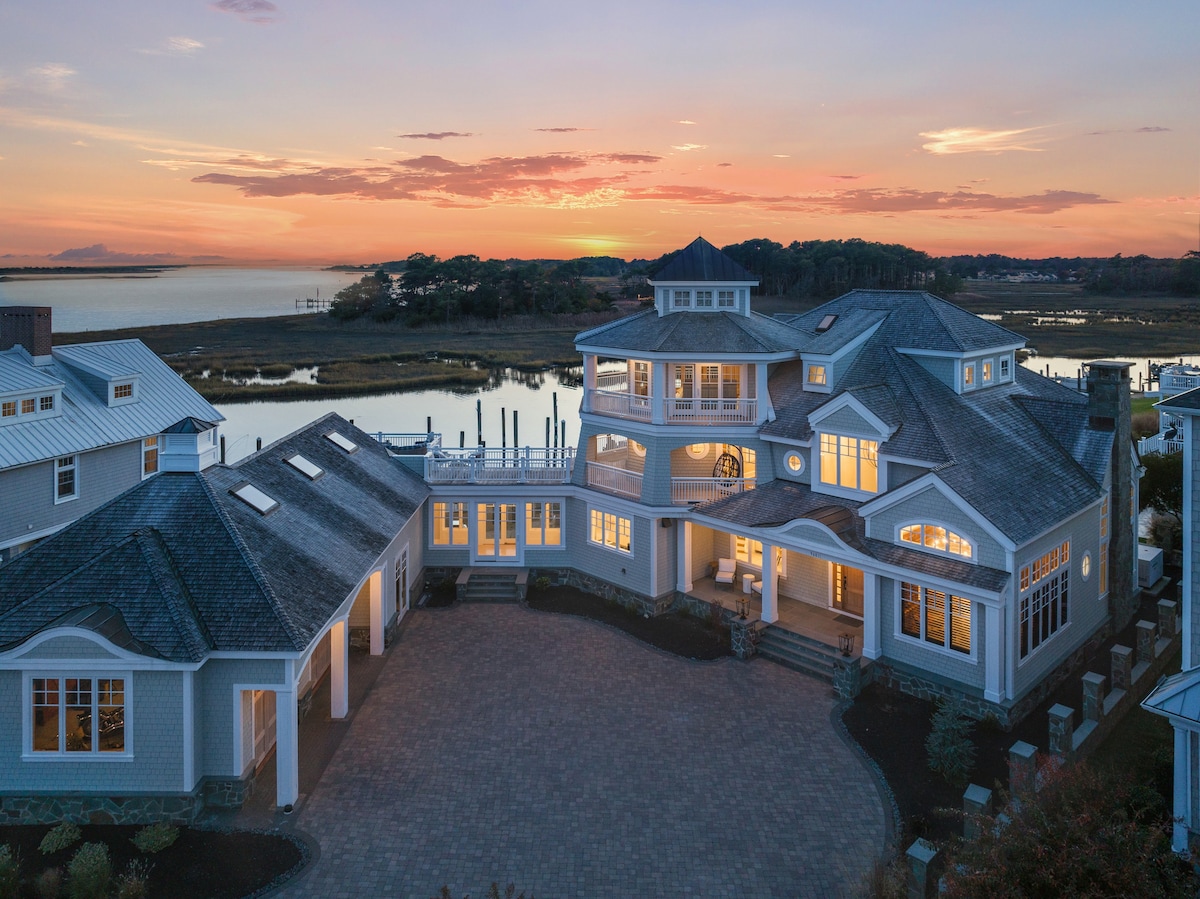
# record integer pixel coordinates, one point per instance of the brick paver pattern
(503, 744)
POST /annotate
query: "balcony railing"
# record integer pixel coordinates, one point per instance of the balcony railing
(1159, 444)
(409, 444)
(704, 490)
(614, 480)
(551, 465)
(613, 380)
(675, 411)
(622, 405)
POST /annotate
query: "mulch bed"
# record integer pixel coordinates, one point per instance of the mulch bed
(675, 632)
(200, 864)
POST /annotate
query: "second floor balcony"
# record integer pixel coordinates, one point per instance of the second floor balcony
(674, 410)
(528, 465)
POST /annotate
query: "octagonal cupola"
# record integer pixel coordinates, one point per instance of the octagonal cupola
(700, 278)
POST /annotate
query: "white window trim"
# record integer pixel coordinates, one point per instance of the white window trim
(75, 468)
(95, 755)
(158, 448)
(562, 528)
(615, 548)
(836, 489)
(799, 457)
(973, 383)
(450, 532)
(1027, 594)
(972, 559)
(1004, 370)
(987, 377)
(971, 658)
(812, 386)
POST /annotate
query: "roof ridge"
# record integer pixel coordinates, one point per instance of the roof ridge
(941, 308)
(239, 542)
(151, 542)
(898, 361)
(1052, 439)
(600, 329)
(673, 322)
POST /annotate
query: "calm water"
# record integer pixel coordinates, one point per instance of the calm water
(173, 297)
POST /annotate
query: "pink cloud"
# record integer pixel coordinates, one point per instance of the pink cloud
(261, 12)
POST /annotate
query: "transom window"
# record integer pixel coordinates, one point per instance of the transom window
(66, 484)
(850, 462)
(704, 299)
(543, 524)
(78, 714)
(610, 530)
(450, 524)
(935, 617)
(1044, 605)
(937, 538)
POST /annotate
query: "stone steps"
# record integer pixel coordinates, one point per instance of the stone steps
(797, 652)
(484, 586)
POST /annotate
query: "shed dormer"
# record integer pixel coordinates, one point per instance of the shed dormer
(702, 279)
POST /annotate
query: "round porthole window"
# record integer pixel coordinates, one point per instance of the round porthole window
(794, 462)
(1085, 566)
(698, 450)
(638, 449)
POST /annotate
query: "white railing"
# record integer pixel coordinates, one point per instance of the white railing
(711, 411)
(613, 380)
(614, 480)
(623, 405)
(1159, 444)
(529, 465)
(408, 443)
(704, 490)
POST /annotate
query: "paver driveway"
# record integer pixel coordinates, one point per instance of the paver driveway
(504, 744)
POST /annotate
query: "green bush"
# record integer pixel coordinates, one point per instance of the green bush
(60, 837)
(10, 873)
(135, 882)
(48, 884)
(89, 874)
(951, 753)
(156, 837)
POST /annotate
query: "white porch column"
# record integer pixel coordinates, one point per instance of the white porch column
(871, 645)
(766, 411)
(339, 670)
(770, 585)
(589, 382)
(658, 392)
(993, 638)
(683, 536)
(1182, 791)
(375, 586)
(287, 748)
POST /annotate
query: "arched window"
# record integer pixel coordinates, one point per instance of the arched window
(938, 539)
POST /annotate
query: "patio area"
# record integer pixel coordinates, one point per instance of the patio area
(825, 625)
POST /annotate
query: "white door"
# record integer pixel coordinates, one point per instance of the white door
(496, 533)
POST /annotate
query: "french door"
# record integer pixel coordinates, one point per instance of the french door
(848, 589)
(496, 532)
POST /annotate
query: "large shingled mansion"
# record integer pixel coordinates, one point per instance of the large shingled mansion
(876, 476)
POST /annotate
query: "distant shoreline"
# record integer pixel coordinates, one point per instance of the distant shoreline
(82, 272)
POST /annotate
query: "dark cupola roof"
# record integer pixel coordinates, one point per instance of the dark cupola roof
(701, 261)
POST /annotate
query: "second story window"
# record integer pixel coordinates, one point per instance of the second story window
(66, 484)
(641, 378)
(1004, 369)
(816, 375)
(681, 299)
(725, 298)
(704, 299)
(969, 377)
(850, 462)
(149, 456)
(987, 372)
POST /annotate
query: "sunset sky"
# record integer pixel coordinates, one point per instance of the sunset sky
(320, 132)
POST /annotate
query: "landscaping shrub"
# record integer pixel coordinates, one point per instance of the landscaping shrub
(10, 873)
(48, 884)
(89, 874)
(155, 837)
(951, 753)
(60, 837)
(134, 883)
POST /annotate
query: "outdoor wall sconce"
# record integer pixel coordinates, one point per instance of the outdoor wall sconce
(846, 644)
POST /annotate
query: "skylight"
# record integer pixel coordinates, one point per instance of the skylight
(302, 465)
(254, 498)
(826, 323)
(341, 441)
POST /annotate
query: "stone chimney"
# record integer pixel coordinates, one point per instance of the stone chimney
(28, 326)
(1109, 409)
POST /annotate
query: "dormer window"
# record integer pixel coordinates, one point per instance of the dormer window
(1004, 372)
(850, 462)
(986, 372)
(46, 403)
(937, 539)
(704, 299)
(8, 409)
(122, 391)
(682, 299)
(725, 299)
(969, 377)
(816, 376)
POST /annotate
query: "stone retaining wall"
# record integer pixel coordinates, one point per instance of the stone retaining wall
(99, 809)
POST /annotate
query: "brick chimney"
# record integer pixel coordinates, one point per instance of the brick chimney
(28, 326)
(1109, 409)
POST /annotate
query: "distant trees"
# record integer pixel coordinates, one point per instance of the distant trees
(1144, 274)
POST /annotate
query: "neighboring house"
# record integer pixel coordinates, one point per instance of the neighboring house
(879, 467)
(1178, 697)
(156, 652)
(79, 424)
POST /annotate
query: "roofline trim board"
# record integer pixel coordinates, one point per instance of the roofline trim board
(844, 400)
(960, 354)
(14, 658)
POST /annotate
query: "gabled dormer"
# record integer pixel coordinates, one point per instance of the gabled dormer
(847, 433)
(700, 278)
(112, 382)
(27, 392)
(839, 337)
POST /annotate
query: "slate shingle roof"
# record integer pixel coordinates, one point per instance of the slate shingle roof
(691, 332)
(192, 569)
(1189, 399)
(701, 261)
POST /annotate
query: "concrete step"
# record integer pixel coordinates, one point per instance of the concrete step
(488, 587)
(797, 652)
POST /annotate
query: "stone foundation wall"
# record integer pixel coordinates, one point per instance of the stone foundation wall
(914, 683)
(99, 809)
(227, 792)
(644, 605)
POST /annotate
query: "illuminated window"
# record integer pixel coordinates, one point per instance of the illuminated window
(1085, 566)
(794, 462)
(697, 450)
(748, 551)
(149, 456)
(450, 524)
(936, 538)
(1103, 569)
(725, 298)
(66, 483)
(1045, 593)
(610, 530)
(543, 524)
(641, 378)
(28, 406)
(850, 462)
(8, 408)
(122, 391)
(816, 375)
(704, 299)
(935, 617)
(986, 372)
(1104, 517)
(968, 376)
(77, 714)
